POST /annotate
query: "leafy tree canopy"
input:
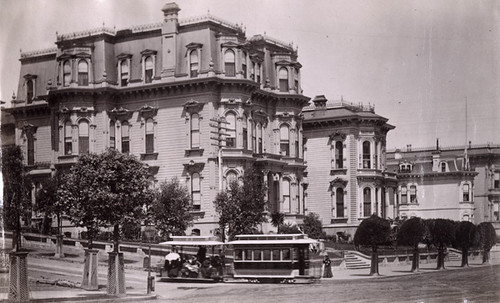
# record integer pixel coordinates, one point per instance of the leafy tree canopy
(412, 232)
(313, 226)
(372, 231)
(170, 211)
(464, 235)
(441, 232)
(288, 228)
(486, 236)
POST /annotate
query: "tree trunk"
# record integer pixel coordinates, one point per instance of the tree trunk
(116, 237)
(374, 263)
(465, 257)
(440, 258)
(415, 264)
(486, 256)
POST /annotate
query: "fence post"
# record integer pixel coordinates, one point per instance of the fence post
(18, 286)
(116, 274)
(90, 270)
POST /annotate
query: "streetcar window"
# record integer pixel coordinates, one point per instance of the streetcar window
(248, 254)
(276, 254)
(257, 255)
(266, 253)
(238, 254)
(286, 254)
(295, 254)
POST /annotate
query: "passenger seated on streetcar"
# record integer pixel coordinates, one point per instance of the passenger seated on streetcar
(206, 269)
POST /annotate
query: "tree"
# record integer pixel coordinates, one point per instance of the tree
(441, 235)
(277, 220)
(105, 189)
(241, 207)
(16, 189)
(288, 228)
(48, 202)
(412, 232)
(313, 226)
(170, 210)
(486, 238)
(464, 239)
(372, 232)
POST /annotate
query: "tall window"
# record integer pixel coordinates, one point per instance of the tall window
(297, 147)
(413, 194)
(404, 195)
(83, 73)
(148, 70)
(230, 178)
(496, 181)
(254, 137)
(257, 72)
(125, 138)
(245, 132)
(124, 76)
(443, 167)
(259, 138)
(244, 64)
(83, 137)
(339, 155)
(367, 202)
(339, 199)
(30, 91)
(196, 191)
(112, 135)
(194, 63)
(150, 136)
(286, 195)
(231, 130)
(283, 79)
(31, 149)
(366, 155)
(296, 80)
(68, 139)
(195, 131)
(66, 73)
(466, 193)
(284, 140)
(229, 65)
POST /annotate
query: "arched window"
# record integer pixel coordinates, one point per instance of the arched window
(124, 76)
(404, 195)
(68, 139)
(466, 193)
(244, 64)
(286, 195)
(339, 155)
(229, 66)
(284, 140)
(83, 73)
(230, 178)
(30, 91)
(148, 69)
(112, 135)
(196, 191)
(194, 63)
(367, 202)
(283, 79)
(366, 154)
(245, 132)
(83, 137)
(259, 138)
(413, 194)
(195, 232)
(195, 131)
(150, 136)
(125, 138)
(339, 202)
(443, 167)
(231, 130)
(31, 149)
(66, 73)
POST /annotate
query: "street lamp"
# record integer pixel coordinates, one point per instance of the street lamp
(149, 233)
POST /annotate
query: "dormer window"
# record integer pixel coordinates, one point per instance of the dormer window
(66, 73)
(30, 91)
(194, 65)
(229, 63)
(283, 79)
(466, 192)
(83, 73)
(124, 73)
(442, 167)
(148, 69)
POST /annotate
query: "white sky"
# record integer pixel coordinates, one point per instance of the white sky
(416, 61)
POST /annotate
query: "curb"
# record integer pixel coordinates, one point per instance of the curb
(98, 299)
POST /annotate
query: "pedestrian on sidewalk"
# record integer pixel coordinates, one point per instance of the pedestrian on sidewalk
(327, 273)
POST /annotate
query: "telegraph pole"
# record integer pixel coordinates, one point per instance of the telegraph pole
(219, 130)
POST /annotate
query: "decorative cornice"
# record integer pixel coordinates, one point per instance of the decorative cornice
(37, 53)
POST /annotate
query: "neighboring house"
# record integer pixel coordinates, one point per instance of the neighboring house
(458, 183)
(345, 156)
(157, 91)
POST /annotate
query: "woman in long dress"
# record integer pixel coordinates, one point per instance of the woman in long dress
(328, 267)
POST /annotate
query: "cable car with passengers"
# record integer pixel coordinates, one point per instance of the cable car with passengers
(283, 258)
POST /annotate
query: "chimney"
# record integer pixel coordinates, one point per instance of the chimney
(320, 102)
(169, 31)
(170, 12)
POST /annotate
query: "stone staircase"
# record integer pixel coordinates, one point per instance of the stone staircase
(454, 255)
(356, 260)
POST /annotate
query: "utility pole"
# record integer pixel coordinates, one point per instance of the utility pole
(219, 132)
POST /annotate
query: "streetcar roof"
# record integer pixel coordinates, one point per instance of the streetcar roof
(271, 242)
(192, 241)
(273, 239)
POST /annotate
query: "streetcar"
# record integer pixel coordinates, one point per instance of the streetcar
(283, 258)
(193, 259)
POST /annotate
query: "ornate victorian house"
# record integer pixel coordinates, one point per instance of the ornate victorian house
(156, 91)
